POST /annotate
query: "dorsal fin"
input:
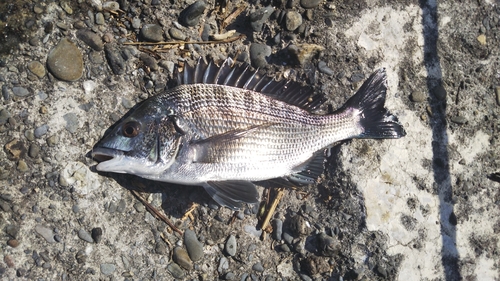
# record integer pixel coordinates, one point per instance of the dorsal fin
(243, 76)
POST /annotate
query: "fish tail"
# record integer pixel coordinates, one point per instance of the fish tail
(375, 121)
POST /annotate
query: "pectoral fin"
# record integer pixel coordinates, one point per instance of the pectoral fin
(232, 194)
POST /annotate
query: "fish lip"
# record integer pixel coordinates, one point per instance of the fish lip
(102, 154)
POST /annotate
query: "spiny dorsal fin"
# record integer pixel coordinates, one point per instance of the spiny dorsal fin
(243, 76)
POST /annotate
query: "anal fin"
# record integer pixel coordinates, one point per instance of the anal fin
(232, 194)
(311, 170)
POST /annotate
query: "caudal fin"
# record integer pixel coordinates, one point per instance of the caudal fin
(377, 122)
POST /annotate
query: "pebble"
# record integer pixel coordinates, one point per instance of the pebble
(497, 94)
(136, 23)
(115, 60)
(418, 96)
(81, 257)
(99, 19)
(181, 257)
(15, 149)
(439, 92)
(327, 245)
(193, 246)
(4, 116)
(111, 5)
(37, 68)
(205, 33)
(298, 225)
(455, 119)
(90, 38)
(151, 33)
(278, 229)
(230, 246)
(229, 276)
(107, 268)
(5, 92)
(96, 234)
(13, 243)
(223, 265)
(482, 39)
(65, 61)
(258, 267)
(52, 140)
(85, 235)
(149, 61)
(161, 248)
(46, 233)
(66, 7)
(258, 54)
(177, 34)
(22, 166)
(33, 150)
(292, 20)
(71, 122)
(309, 4)
(20, 91)
(176, 271)
(42, 130)
(323, 68)
(12, 230)
(259, 17)
(192, 14)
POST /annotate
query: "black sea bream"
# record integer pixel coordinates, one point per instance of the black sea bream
(224, 127)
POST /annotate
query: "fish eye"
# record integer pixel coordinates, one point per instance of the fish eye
(131, 129)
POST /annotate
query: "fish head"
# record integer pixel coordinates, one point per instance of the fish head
(143, 143)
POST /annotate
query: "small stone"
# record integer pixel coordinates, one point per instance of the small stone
(418, 96)
(304, 52)
(37, 68)
(482, 39)
(292, 20)
(298, 225)
(149, 61)
(205, 33)
(96, 234)
(85, 235)
(458, 119)
(497, 94)
(107, 268)
(309, 4)
(177, 34)
(33, 150)
(259, 17)
(90, 38)
(66, 7)
(193, 246)
(192, 14)
(42, 130)
(229, 276)
(71, 122)
(115, 59)
(328, 246)
(22, 166)
(111, 5)
(230, 246)
(181, 257)
(439, 92)
(323, 68)
(161, 248)
(151, 33)
(136, 23)
(81, 257)
(223, 265)
(258, 267)
(13, 243)
(46, 233)
(65, 61)
(176, 271)
(278, 229)
(12, 230)
(258, 54)
(99, 19)
(52, 140)
(20, 91)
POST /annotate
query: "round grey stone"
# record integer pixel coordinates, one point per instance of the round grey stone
(99, 19)
(309, 4)
(115, 59)
(192, 14)
(12, 230)
(151, 33)
(292, 20)
(440, 92)
(20, 91)
(177, 34)
(328, 246)
(278, 229)
(136, 23)
(33, 150)
(85, 235)
(149, 61)
(258, 54)
(111, 5)
(42, 130)
(193, 246)
(258, 267)
(323, 68)
(46, 233)
(230, 246)
(259, 17)
(107, 268)
(37, 68)
(458, 119)
(90, 38)
(65, 61)
(223, 265)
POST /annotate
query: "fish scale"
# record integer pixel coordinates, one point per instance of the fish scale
(225, 127)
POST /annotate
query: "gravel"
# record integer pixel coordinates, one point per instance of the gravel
(65, 61)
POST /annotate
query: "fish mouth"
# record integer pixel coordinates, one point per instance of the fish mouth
(107, 158)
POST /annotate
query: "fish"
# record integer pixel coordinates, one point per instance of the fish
(226, 127)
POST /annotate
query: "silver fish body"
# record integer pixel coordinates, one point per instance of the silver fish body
(226, 127)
